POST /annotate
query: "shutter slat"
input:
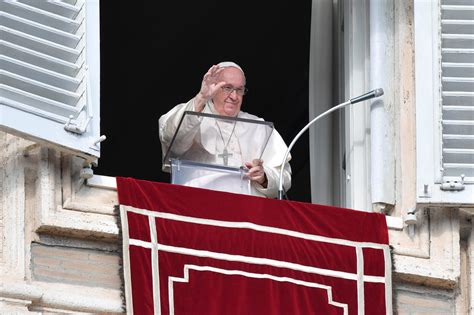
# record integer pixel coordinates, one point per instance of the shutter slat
(458, 26)
(463, 156)
(457, 40)
(457, 69)
(459, 166)
(457, 12)
(465, 94)
(458, 137)
(40, 31)
(70, 2)
(459, 151)
(458, 169)
(37, 102)
(39, 59)
(39, 88)
(458, 2)
(456, 113)
(458, 122)
(38, 44)
(39, 74)
(458, 128)
(449, 85)
(458, 141)
(458, 98)
(458, 55)
(56, 7)
(40, 16)
(33, 110)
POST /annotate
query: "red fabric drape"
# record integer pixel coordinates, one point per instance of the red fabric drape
(223, 253)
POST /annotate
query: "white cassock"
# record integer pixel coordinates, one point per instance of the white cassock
(204, 139)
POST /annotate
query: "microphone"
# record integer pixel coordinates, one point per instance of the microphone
(367, 96)
(374, 93)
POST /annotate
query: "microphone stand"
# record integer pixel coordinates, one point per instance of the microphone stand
(366, 96)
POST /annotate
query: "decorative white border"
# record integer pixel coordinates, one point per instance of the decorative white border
(360, 280)
(359, 276)
(154, 267)
(258, 261)
(126, 260)
(185, 279)
(256, 227)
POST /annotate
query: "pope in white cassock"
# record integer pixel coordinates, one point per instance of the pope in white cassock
(231, 143)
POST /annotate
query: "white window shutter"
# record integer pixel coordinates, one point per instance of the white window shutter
(457, 57)
(444, 64)
(50, 72)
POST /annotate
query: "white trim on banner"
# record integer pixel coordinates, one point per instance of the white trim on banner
(185, 279)
(126, 260)
(360, 280)
(256, 227)
(155, 267)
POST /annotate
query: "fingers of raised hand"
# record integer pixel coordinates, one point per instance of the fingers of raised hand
(215, 70)
(212, 73)
(218, 85)
(210, 85)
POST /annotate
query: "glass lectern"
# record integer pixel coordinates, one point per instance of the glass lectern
(209, 151)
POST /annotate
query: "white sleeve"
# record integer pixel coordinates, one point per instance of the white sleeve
(168, 124)
(272, 162)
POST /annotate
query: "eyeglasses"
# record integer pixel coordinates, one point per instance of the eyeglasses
(229, 89)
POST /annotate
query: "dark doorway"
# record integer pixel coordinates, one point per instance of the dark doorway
(153, 57)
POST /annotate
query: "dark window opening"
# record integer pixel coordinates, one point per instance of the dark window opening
(153, 57)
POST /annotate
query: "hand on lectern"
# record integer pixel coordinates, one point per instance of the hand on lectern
(256, 172)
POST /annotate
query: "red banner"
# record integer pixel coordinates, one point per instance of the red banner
(196, 251)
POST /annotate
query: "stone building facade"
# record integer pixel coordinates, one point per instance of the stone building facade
(59, 241)
(60, 250)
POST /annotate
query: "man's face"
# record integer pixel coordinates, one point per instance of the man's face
(228, 104)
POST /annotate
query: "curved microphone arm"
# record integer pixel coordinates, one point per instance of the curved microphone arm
(280, 178)
(366, 96)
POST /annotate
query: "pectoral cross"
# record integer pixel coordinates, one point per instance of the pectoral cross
(225, 156)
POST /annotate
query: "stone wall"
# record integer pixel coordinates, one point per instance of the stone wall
(59, 246)
(78, 263)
